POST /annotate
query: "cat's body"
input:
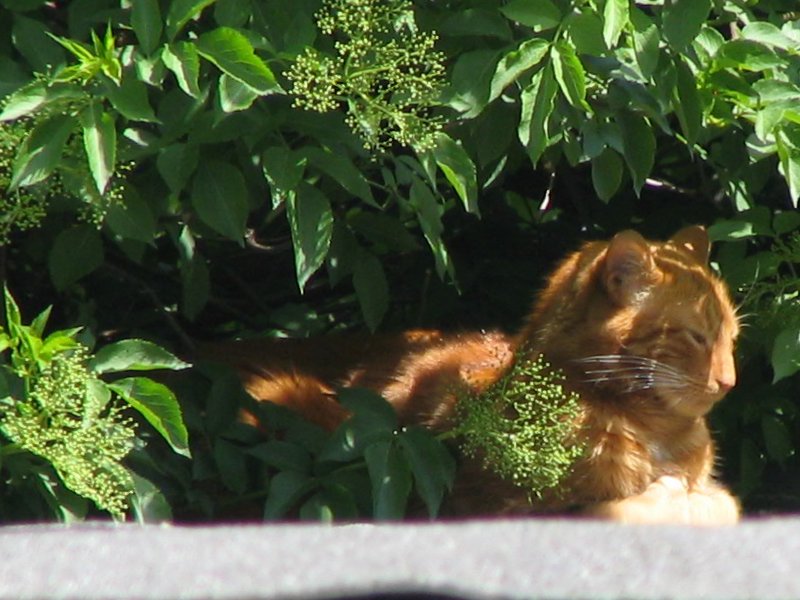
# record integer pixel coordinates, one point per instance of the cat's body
(644, 333)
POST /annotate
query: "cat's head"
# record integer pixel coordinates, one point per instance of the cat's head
(657, 322)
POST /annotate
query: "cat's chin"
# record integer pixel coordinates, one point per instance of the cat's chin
(693, 407)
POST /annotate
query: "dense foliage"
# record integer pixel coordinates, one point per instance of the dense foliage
(199, 169)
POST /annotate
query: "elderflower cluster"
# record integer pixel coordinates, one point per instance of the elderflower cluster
(523, 427)
(69, 421)
(19, 209)
(386, 72)
(25, 208)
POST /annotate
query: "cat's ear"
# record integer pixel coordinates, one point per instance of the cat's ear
(694, 240)
(629, 269)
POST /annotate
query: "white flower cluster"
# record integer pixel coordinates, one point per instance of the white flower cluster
(385, 72)
(70, 421)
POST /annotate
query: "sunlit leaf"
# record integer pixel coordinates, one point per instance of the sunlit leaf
(147, 24)
(516, 62)
(538, 14)
(134, 355)
(615, 18)
(158, 405)
(100, 143)
(233, 54)
(786, 354)
(311, 223)
(536, 106)
(41, 151)
(181, 12)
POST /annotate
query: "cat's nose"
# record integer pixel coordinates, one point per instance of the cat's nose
(723, 372)
(726, 380)
(726, 385)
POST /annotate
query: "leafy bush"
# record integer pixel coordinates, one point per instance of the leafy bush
(203, 169)
(62, 429)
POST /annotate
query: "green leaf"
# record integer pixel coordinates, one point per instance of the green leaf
(182, 59)
(390, 475)
(31, 38)
(283, 169)
(470, 82)
(786, 354)
(23, 102)
(329, 504)
(646, 41)
(459, 170)
(639, 144)
(148, 503)
(372, 409)
(132, 219)
(686, 101)
(13, 316)
(100, 143)
(606, 174)
(475, 22)
(777, 438)
(682, 21)
(616, 15)
(176, 164)
(286, 489)
(786, 221)
(232, 13)
(768, 34)
(747, 55)
(22, 5)
(724, 230)
(75, 253)
(235, 95)
(586, 33)
(134, 355)
(39, 323)
(284, 456)
(231, 463)
(372, 420)
(233, 54)
(372, 289)
(158, 405)
(130, 99)
(429, 212)
(13, 76)
(432, 465)
(515, 63)
(195, 286)
(382, 230)
(311, 222)
(339, 167)
(147, 24)
(219, 195)
(181, 12)
(789, 167)
(570, 74)
(536, 106)
(774, 90)
(538, 14)
(41, 151)
(57, 342)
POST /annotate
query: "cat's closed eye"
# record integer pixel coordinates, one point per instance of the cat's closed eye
(698, 338)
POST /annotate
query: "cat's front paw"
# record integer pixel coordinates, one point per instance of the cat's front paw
(666, 500)
(669, 500)
(713, 505)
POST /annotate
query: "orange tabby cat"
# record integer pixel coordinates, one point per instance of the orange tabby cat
(644, 333)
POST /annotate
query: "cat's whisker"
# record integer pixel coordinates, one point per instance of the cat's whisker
(638, 372)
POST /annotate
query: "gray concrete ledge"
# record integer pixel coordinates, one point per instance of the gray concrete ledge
(525, 558)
